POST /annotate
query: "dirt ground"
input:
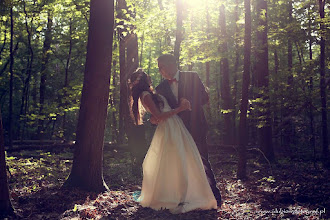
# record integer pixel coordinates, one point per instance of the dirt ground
(288, 189)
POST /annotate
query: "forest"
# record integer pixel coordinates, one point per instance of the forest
(69, 148)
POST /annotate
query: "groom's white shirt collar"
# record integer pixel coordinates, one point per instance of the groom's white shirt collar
(176, 76)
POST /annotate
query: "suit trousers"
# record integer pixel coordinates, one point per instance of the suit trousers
(202, 147)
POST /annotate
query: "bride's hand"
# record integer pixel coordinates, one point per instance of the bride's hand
(185, 104)
(154, 120)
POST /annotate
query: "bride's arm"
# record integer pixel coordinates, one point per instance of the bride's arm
(160, 116)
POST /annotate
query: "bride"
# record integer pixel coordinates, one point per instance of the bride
(173, 174)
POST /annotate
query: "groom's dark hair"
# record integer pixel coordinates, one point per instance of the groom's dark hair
(167, 58)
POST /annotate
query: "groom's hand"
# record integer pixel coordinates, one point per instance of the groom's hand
(185, 104)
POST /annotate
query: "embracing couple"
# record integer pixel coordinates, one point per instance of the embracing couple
(177, 174)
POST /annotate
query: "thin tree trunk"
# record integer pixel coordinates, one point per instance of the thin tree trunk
(87, 168)
(6, 207)
(141, 52)
(277, 103)
(225, 84)
(149, 61)
(243, 129)
(123, 106)
(66, 78)
(311, 113)
(323, 95)
(132, 57)
(43, 72)
(9, 60)
(11, 82)
(26, 89)
(234, 92)
(114, 104)
(160, 3)
(298, 52)
(179, 30)
(276, 61)
(207, 64)
(290, 56)
(262, 72)
(288, 131)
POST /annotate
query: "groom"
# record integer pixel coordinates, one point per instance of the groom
(178, 84)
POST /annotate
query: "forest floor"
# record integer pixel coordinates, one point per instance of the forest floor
(288, 189)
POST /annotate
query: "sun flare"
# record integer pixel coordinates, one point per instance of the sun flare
(196, 4)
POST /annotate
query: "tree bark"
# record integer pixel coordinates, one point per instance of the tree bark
(237, 63)
(207, 64)
(135, 133)
(87, 168)
(123, 102)
(225, 84)
(262, 75)
(113, 104)
(9, 60)
(11, 82)
(288, 131)
(311, 87)
(66, 78)
(290, 56)
(325, 149)
(141, 52)
(43, 72)
(179, 30)
(132, 56)
(6, 207)
(26, 88)
(243, 129)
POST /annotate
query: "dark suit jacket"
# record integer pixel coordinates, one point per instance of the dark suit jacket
(191, 88)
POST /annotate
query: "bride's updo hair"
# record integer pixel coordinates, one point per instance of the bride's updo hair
(139, 82)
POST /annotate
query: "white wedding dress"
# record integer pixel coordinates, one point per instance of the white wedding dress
(173, 174)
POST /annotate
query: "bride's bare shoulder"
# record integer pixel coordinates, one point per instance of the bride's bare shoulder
(144, 94)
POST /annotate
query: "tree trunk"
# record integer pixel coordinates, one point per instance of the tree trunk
(66, 79)
(132, 56)
(123, 106)
(325, 143)
(262, 74)
(87, 168)
(6, 207)
(208, 28)
(237, 61)
(43, 72)
(311, 87)
(288, 131)
(11, 82)
(225, 84)
(141, 52)
(9, 60)
(114, 104)
(290, 62)
(149, 61)
(179, 30)
(278, 110)
(243, 130)
(136, 134)
(123, 102)
(29, 65)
